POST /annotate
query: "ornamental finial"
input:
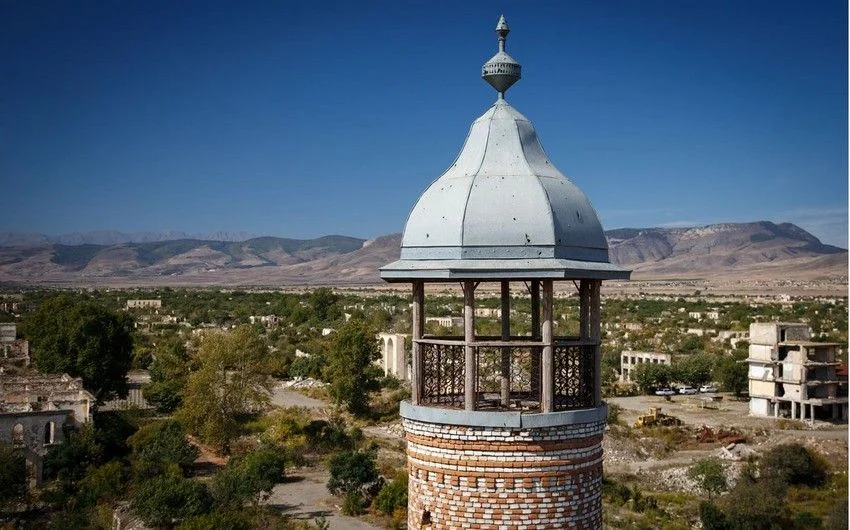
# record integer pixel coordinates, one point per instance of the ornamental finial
(501, 71)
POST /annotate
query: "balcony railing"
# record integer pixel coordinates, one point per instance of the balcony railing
(508, 373)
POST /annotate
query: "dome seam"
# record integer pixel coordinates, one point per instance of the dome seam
(537, 180)
(472, 182)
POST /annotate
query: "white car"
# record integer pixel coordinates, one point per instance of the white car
(705, 389)
(687, 390)
(665, 392)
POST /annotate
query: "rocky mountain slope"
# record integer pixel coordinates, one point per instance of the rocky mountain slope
(751, 250)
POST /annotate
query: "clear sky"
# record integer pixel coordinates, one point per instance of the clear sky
(301, 119)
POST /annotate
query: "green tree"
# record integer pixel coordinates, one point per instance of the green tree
(731, 372)
(710, 476)
(351, 470)
(164, 499)
(231, 381)
(325, 305)
(693, 370)
(649, 375)
(755, 505)
(159, 446)
(250, 477)
(169, 371)
(106, 482)
(351, 371)
(83, 339)
(13, 474)
(70, 460)
(793, 464)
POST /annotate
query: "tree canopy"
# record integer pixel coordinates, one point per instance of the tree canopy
(169, 371)
(693, 370)
(83, 339)
(650, 375)
(160, 445)
(231, 381)
(710, 475)
(13, 474)
(351, 369)
(731, 372)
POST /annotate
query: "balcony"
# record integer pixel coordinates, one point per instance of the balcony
(507, 374)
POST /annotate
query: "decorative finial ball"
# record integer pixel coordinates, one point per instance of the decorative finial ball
(501, 71)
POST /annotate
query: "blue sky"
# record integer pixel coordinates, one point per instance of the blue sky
(313, 118)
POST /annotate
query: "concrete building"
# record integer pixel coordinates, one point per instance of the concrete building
(144, 304)
(394, 355)
(791, 376)
(505, 431)
(629, 360)
(446, 322)
(488, 312)
(266, 320)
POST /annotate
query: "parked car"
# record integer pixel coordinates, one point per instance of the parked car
(687, 390)
(665, 392)
(707, 389)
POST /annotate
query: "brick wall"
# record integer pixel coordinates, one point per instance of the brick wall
(492, 478)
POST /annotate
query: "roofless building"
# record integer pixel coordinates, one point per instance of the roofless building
(506, 431)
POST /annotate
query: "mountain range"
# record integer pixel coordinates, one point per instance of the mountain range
(747, 250)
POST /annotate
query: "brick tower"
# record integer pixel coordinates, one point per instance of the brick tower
(505, 431)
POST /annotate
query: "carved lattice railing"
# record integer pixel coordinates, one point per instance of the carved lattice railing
(442, 377)
(575, 379)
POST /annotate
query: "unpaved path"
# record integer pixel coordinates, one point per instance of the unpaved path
(305, 497)
(283, 397)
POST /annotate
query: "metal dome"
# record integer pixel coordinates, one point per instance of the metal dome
(502, 210)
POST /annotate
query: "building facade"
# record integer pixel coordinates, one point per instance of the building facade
(394, 354)
(35, 409)
(629, 360)
(791, 376)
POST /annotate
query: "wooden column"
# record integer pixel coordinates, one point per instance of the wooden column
(470, 369)
(548, 360)
(589, 293)
(418, 329)
(506, 352)
(535, 334)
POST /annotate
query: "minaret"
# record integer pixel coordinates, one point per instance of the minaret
(505, 431)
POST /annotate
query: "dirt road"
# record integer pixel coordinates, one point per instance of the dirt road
(305, 497)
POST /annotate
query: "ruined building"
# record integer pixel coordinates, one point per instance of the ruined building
(35, 408)
(14, 352)
(793, 377)
(505, 431)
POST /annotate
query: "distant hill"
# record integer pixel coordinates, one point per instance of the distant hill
(113, 237)
(751, 250)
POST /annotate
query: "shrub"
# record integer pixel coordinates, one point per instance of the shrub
(711, 516)
(156, 446)
(793, 464)
(353, 503)
(216, 521)
(166, 498)
(613, 417)
(351, 470)
(393, 495)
